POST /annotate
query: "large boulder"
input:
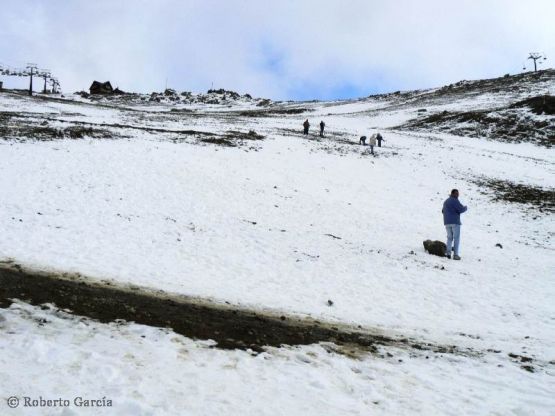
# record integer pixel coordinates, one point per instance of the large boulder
(436, 248)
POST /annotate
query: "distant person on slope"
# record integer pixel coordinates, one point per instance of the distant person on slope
(380, 138)
(372, 143)
(322, 125)
(362, 140)
(452, 210)
(306, 125)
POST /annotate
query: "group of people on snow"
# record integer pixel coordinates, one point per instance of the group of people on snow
(306, 126)
(376, 138)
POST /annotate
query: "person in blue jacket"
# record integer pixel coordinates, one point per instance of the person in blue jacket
(452, 210)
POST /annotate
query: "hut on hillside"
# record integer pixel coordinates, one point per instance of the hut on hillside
(101, 88)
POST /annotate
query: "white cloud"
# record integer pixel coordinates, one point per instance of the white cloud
(279, 49)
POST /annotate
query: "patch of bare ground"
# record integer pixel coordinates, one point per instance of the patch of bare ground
(529, 121)
(44, 127)
(19, 127)
(271, 112)
(233, 138)
(231, 326)
(532, 197)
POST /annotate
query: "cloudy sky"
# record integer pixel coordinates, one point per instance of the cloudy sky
(286, 49)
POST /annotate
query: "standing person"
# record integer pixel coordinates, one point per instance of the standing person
(380, 138)
(306, 125)
(322, 125)
(372, 143)
(452, 210)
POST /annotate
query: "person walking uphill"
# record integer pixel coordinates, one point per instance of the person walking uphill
(306, 125)
(452, 210)
(372, 143)
(322, 125)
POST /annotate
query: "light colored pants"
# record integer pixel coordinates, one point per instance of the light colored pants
(453, 238)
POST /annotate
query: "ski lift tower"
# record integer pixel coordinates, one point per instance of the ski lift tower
(44, 73)
(534, 56)
(55, 85)
(32, 68)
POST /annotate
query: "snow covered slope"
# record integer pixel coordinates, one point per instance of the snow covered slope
(235, 204)
(142, 371)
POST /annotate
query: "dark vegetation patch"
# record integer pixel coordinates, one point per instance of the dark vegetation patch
(181, 110)
(517, 85)
(543, 104)
(37, 126)
(273, 112)
(220, 141)
(251, 135)
(15, 128)
(533, 197)
(230, 326)
(233, 138)
(31, 126)
(506, 124)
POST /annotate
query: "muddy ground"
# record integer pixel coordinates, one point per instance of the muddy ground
(230, 326)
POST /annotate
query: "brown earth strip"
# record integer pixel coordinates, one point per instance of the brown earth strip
(229, 325)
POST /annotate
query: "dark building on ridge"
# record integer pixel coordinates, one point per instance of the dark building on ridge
(101, 88)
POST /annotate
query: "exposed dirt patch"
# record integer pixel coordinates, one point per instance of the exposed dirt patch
(536, 198)
(230, 326)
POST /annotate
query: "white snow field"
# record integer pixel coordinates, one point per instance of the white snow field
(149, 371)
(282, 224)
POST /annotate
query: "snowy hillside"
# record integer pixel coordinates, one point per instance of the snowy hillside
(230, 202)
